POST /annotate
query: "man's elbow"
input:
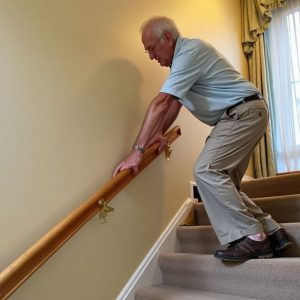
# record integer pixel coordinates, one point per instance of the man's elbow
(163, 101)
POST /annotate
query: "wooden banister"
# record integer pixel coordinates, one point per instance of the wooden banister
(24, 266)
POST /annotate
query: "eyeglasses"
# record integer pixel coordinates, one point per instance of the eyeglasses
(150, 50)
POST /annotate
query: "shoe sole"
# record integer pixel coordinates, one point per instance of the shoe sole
(241, 259)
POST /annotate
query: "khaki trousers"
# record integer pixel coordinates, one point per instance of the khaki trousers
(221, 166)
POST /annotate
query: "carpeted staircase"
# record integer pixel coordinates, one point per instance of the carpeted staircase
(195, 273)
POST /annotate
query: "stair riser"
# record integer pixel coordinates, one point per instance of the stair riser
(200, 239)
(163, 292)
(261, 279)
(282, 210)
(293, 251)
(273, 186)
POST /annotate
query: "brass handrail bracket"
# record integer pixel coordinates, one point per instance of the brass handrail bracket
(104, 210)
(168, 151)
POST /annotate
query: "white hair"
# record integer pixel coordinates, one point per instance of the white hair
(161, 25)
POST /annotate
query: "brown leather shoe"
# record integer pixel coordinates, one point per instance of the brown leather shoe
(279, 240)
(233, 243)
(246, 249)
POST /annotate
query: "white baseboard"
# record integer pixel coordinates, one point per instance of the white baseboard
(148, 272)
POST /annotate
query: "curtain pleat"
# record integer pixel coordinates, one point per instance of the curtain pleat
(256, 17)
(282, 45)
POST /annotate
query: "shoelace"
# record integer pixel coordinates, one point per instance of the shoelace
(236, 242)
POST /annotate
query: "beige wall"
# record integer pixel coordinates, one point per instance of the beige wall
(74, 86)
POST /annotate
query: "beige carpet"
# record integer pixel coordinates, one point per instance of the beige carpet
(195, 273)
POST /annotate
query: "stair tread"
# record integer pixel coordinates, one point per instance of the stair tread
(275, 278)
(167, 292)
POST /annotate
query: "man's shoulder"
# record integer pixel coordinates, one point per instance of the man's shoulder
(193, 45)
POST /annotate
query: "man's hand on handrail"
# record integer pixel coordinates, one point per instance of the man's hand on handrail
(132, 161)
(159, 138)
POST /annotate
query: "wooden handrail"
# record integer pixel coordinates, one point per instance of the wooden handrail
(24, 266)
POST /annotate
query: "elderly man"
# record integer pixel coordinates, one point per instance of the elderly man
(203, 81)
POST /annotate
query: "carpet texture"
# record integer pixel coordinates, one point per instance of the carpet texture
(195, 273)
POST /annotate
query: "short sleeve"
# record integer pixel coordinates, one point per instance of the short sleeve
(185, 72)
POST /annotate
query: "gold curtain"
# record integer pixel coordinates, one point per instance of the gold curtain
(256, 17)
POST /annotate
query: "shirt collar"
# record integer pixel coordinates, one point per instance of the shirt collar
(177, 48)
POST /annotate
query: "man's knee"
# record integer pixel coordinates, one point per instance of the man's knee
(201, 172)
(205, 173)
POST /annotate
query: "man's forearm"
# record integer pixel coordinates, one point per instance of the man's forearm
(158, 117)
(171, 116)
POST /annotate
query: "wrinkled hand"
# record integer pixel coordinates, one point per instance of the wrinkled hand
(132, 161)
(161, 140)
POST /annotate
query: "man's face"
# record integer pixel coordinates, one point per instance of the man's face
(160, 49)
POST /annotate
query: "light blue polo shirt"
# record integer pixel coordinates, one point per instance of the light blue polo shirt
(204, 81)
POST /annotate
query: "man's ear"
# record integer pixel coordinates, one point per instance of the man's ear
(168, 37)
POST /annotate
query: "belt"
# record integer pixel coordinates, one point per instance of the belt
(256, 96)
(252, 97)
